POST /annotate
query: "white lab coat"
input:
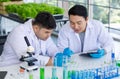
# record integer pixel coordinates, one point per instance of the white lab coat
(96, 37)
(15, 45)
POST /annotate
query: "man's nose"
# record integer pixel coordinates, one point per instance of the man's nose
(76, 26)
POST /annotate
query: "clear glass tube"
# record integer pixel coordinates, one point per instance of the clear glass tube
(30, 75)
(65, 72)
(54, 73)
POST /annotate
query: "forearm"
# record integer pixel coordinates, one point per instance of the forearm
(50, 62)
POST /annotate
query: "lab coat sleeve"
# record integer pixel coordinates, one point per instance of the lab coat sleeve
(63, 40)
(105, 39)
(16, 41)
(41, 60)
(51, 47)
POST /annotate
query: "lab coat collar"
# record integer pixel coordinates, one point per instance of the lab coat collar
(69, 27)
(30, 31)
(89, 24)
(88, 30)
(29, 28)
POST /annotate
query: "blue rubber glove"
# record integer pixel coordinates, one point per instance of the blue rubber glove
(58, 59)
(98, 54)
(68, 52)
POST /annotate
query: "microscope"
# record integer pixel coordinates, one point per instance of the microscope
(28, 58)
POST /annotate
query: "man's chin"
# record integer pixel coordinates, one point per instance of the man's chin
(44, 39)
(77, 32)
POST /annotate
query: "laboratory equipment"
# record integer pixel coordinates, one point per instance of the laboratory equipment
(118, 63)
(58, 59)
(22, 73)
(65, 72)
(30, 51)
(28, 57)
(106, 72)
(68, 52)
(98, 54)
(54, 73)
(42, 73)
(113, 57)
(31, 75)
(62, 58)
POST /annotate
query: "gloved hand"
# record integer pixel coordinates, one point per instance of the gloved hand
(61, 58)
(98, 54)
(68, 52)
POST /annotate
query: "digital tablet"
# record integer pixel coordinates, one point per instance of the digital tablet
(88, 53)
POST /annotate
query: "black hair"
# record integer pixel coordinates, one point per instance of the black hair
(78, 10)
(45, 20)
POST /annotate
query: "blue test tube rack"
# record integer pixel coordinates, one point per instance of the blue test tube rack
(106, 72)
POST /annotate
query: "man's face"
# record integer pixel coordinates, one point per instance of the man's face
(43, 33)
(78, 23)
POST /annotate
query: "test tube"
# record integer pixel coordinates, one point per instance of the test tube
(117, 71)
(22, 73)
(30, 75)
(80, 75)
(65, 61)
(73, 74)
(65, 74)
(54, 73)
(113, 57)
(92, 73)
(69, 74)
(77, 75)
(55, 61)
(42, 73)
(118, 63)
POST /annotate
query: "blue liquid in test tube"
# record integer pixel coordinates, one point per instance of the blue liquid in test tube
(69, 74)
(54, 73)
(75, 75)
(55, 61)
(113, 57)
(65, 74)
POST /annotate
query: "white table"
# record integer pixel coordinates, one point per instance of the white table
(83, 62)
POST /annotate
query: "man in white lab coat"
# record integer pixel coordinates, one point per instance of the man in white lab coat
(82, 35)
(38, 32)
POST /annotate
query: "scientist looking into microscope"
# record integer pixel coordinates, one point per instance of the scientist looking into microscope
(38, 32)
(81, 34)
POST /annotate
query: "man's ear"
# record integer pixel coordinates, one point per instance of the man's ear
(35, 28)
(87, 19)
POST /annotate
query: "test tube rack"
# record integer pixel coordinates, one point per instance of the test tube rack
(107, 72)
